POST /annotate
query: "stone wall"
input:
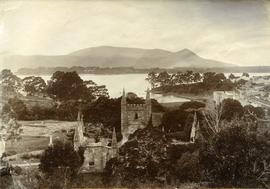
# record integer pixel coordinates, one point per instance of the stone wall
(96, 155)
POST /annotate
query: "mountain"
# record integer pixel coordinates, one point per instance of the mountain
(107, 56)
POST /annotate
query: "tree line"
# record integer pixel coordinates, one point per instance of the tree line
(62, 86)
(65, 89)
(191, 82)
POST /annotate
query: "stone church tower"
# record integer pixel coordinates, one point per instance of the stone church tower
(134, 116)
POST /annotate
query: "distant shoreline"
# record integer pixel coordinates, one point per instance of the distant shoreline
(132, 70)
(49, 74)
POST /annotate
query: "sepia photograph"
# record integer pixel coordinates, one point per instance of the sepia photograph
(171, 94)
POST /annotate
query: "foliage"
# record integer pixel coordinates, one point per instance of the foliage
(245, 74)
(132, 98)
(239, 83)
(165, 79)
(217, 117)
(183, 161)
(17, 108)
(33, 85)
(6, 180)
(149, 157)
(104, 110)
(152, 79)
(68, 110)
(9, 126)
(9, 83)
(41, 113)
(179, 121)
(96, 90)
(232, 77)
(230, 109)
(213, 80)
(141, 160)
(190, 82)
(13, 130)
(228, 159)
(192, 105)
(65, 86)
(187, 167)
(156, 106)
(59, 163)
(254, 112)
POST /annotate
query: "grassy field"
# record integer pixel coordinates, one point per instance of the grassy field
(36, 135)
(45, 127)
(27, 144)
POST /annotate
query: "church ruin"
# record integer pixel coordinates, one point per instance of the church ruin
(96, 154)
(133, 117)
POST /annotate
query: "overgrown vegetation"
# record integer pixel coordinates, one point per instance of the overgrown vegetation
(231, 156)
(59, 164)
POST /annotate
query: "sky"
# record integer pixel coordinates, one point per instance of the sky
(232, 31)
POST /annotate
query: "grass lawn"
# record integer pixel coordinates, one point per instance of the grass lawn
(27, 144)
(33, 138)
(46, 127)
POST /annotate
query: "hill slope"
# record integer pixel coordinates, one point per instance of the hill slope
(106, 56)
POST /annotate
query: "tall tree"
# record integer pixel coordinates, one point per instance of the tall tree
(10, 127)
(10, 83)
(33, 85)
(66, 86)
(69, 86)
(152, 79)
